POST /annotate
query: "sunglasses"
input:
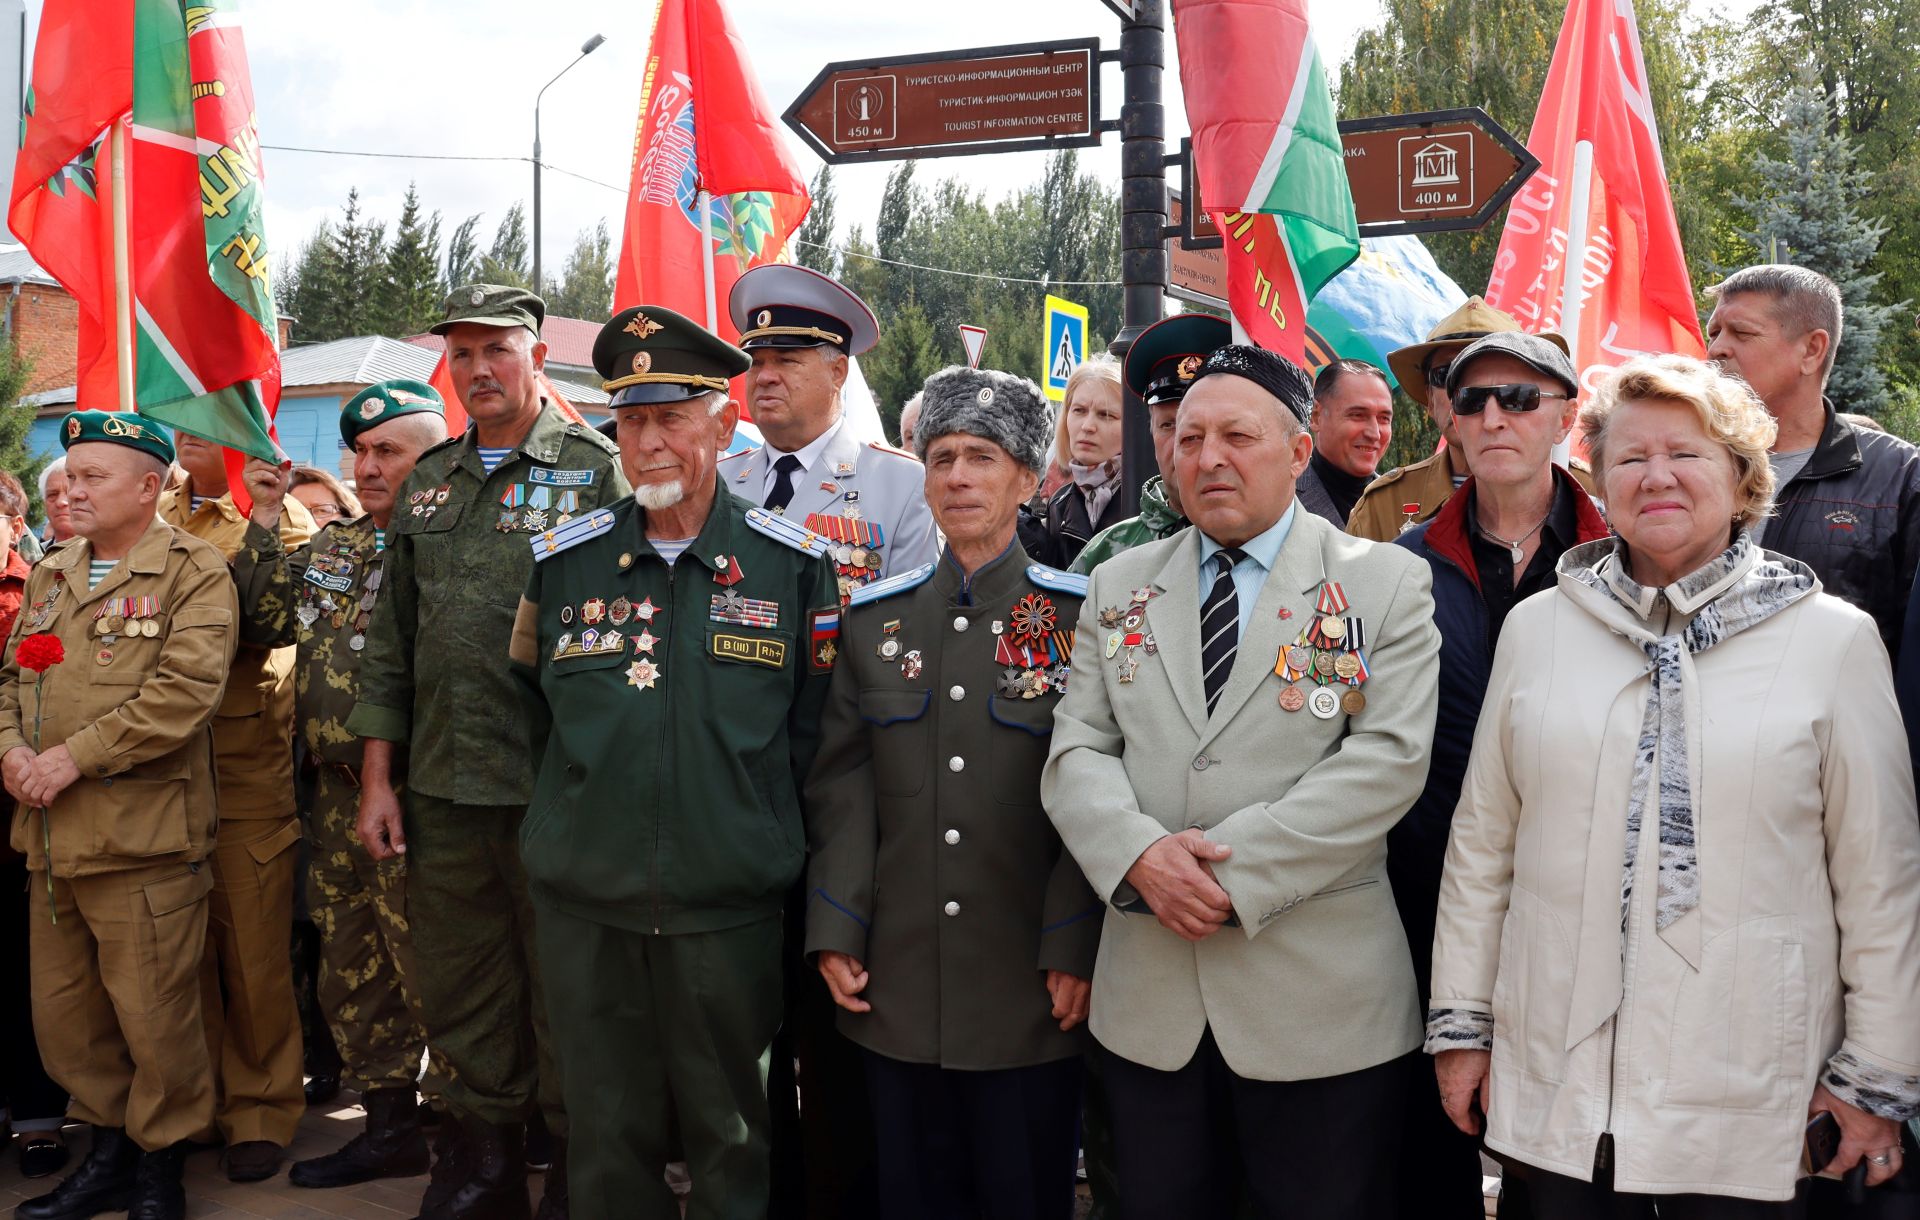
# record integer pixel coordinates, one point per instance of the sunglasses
(1437, 375)
(1513, 399)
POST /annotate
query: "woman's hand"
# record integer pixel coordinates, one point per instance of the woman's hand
(1861, 1135)
(1463, 1083)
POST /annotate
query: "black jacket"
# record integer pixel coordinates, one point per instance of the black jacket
(1853, 516)
(1068, 528)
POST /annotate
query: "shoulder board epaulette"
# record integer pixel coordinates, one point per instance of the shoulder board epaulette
(593, 436)
(437, 446)
(1056, 580)
(890, 586)
(549, 543)
(781, 530)
(741, 456)
(890, 449)
(1386, 476)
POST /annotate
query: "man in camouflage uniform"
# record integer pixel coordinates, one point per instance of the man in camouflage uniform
(321, 598)
(433, 680)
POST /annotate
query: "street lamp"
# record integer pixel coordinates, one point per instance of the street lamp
(586, 48)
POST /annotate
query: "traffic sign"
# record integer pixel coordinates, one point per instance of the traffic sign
(1066, 344)
(1431, 172)
(983, 99)
(974, 339)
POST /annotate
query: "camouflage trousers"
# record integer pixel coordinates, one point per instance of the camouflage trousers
(366, 951)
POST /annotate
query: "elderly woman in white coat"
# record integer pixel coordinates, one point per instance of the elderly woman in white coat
(1681, 908)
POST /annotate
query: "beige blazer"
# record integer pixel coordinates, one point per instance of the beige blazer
(1316, 981)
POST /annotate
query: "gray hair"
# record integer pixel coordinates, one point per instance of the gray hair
(1803, 301)
(56, 466)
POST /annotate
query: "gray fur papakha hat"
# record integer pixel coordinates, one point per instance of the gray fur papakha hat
(1007, 410)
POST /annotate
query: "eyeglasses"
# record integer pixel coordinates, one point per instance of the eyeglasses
(1513, 399)
(1437, 375)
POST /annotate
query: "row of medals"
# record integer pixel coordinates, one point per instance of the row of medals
(1308, 657)
(110, 627)
(1013, 682)
(336, 610)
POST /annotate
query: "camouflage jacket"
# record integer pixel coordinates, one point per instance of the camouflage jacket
(1156, 520)
(459, 551)
(319, 598)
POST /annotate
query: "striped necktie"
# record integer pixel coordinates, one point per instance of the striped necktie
(1220, 627)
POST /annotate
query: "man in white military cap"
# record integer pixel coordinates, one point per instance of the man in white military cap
(868, 500)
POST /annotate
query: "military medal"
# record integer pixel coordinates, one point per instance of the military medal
(593, 611)
(910, 665)
(358, 642)
(561, 644)
(306, 614)
(889, 649)
(619, 611)
(1346, 665)
(1353, 702)
(1110, 617)
(1008, 684)
(1292, 699)
(727, 571)
(566, 615)
(588, 639)
(1323, 703)
(646, 610)
(645, 641)
(642, 674)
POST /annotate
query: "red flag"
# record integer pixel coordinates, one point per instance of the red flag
(442, 380)
(1600, 199)
(704, 125)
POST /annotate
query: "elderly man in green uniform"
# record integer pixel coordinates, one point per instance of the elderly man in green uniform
(321, 599)
(955, 933)
(1160, 366)
(675, 652)
(431, 681)
(109, 753)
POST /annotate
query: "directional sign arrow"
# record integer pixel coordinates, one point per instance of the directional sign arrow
(1431, 172)
(979, 100)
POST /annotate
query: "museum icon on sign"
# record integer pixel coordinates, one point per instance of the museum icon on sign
(1436, 173)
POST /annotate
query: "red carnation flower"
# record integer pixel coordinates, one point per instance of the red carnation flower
(41, 652)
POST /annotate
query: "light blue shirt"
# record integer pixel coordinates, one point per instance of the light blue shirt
(1250, 574)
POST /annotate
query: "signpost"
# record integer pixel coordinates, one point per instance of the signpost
(1196, 270)
(985, 99)
(1066, 344)
(974, 339)
(1431, 172)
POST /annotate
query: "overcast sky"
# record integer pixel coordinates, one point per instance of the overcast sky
(458, 77)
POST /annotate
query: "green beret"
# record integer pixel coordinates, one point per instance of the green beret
(377, 404)
(117, 428)
(492, 305)
(650, 354)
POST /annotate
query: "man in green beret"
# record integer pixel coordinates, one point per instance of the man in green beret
(320, 598)
(109, 754)
(674, 651)
(431, 682)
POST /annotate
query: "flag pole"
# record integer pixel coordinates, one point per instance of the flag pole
(122, 275)
(1573, 285)
(706, 257)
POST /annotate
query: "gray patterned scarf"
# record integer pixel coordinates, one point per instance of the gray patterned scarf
(1767, 588)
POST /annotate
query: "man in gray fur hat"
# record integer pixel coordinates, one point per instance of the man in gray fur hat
(961, 970)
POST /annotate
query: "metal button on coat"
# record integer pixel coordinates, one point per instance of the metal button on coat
(959, 623)
(957, 693)
(956, 763)
(953, 908)
(1202, 763)
(952, 837)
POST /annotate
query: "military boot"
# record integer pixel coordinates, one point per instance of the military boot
(392, 1146)
(103, 1183)
(495, 1186)
(553, 1194)
(158, 1194)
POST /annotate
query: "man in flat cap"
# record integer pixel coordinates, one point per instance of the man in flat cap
(320, 599)
(962, 969)
(1159, 367)
(109, 753)
(800, 328)
(674, 651)
(431, 683)
(253, 1021)
(1250, 711)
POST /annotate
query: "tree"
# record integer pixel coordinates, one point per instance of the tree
(411, 294)
(585, 289)
(813, 244)
(1809, 212)
(15, 422)
(463, 253)
(505, 262)
(316, 288)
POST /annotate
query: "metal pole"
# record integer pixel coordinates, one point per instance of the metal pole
(706, 260)
(122, 268)
(1143, 218)
(536, 193)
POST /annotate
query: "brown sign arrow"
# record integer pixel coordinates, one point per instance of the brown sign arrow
(1427, 173)
(985, 99)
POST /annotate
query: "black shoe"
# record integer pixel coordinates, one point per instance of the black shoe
(158, 1194)
(450, 1165)
(322, 1087)
(496, 1180)
(539, 1142)
(392, 1146)
(553, 1193)
(103, 1183)
(253, 1160)
(42, 1154)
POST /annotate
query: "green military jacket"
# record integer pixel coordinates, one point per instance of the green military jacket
(673, 712)
(320, 598)
(1156, 520)
(934, 864)
(433, 674)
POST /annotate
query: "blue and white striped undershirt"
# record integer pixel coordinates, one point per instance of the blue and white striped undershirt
(491, 458)
(671, 548)
(99, 569)
(379, 540)
(198, 501)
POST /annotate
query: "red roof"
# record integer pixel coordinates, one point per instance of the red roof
(569, 340)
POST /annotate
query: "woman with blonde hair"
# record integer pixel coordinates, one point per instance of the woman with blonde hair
(1086, 446)
(323, 495)
(1677, 918)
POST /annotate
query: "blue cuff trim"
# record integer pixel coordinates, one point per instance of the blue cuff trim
(828, 899)
(1095, 909)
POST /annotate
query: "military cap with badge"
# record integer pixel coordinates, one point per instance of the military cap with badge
(500, 305)
(1166, 359)
(117, 428)
(385, 401)
(648, 355)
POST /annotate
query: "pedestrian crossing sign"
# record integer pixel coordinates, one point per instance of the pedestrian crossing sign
(1066, 344)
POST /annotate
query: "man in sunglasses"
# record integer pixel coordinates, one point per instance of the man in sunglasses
(1494, 542)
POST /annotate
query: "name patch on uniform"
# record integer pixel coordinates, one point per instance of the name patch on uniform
(752, 650)
(329, 581)
(560, 478)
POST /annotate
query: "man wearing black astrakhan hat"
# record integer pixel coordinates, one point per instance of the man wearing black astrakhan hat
(673, 651)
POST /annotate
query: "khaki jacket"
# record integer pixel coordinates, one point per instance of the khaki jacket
(1381, 513)
(253, 731)
(1802, 944)
(133, 712)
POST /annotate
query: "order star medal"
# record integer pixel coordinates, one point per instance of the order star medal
(642, 673)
